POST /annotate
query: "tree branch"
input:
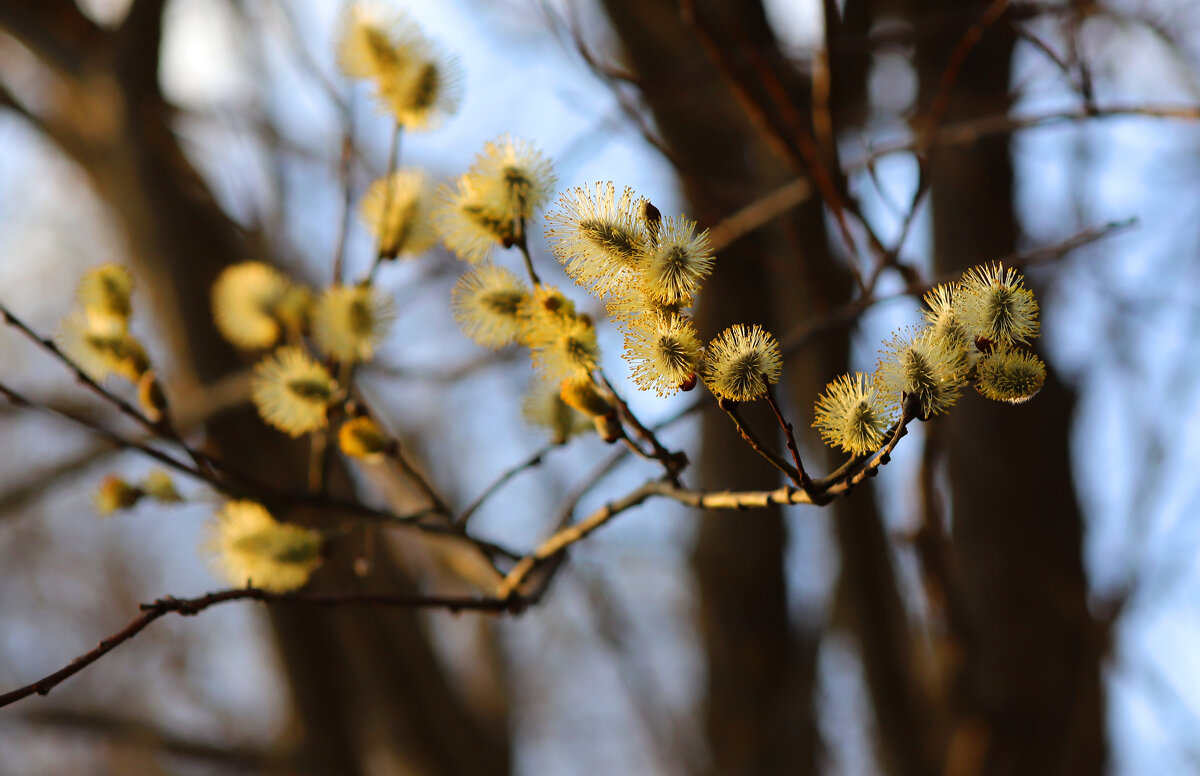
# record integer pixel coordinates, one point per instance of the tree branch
(187, 607)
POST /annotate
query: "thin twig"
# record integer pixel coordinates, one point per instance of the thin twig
(268, 496)
(345, 173)
(615, 77)
(731, 409)
(787, 495)
(849, 312)
(395, 454)
(508, 474)
(161, 428)
(673, 462)
(318, 452)
(567, 511)
(191, 606)
(758, 213)
(800, 156)
(805, 145)
(438, 505)
(805, 481)
(392, 162)
(927, 140)
(969, 131)
(523, 245)
(307, 60)
(570, 534)
(113, 437)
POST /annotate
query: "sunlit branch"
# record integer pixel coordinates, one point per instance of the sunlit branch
(522, 244)
(570, 534)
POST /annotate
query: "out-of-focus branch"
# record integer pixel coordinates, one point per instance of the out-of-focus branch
(261, 492)
(927, 140)
(758, 213)
(113, 726)
(529, 463)
(190, 606)
(55, 30)
(967, 132)
(850, 312)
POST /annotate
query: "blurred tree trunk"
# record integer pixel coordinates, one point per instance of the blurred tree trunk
(1029, 697)
(363, 682)
(761, 666)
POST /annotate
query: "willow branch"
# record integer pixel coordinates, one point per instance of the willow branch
(161, 428)
(964, 133)
(673, 462)
(758, 213)
(266, 495)
(731, 409)
(522, 244)
(116, 439)
(803, 163)
(570, 534)
(344, 173)
(849, 312)
(528, 463)
(927, 140)
(190, 606)
(392, 162)
(805, 481)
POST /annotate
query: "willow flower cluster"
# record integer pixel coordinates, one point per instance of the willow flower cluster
(96, 334)
(116, 494)
(308, 343)
(489, 207)
(619, 248)
(647, 269)
(411, 78)
(97, 340)
(973, 333)
(249, 547)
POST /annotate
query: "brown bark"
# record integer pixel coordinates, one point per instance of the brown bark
(759, 713)
(1030, 684)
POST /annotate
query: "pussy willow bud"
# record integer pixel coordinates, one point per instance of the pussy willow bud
(151, 397)
(653, 218)
(581, 394)
(159, 486)
(362, 438)
(116, 494)
(608, 427)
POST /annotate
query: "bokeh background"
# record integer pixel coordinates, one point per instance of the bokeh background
(1059, 636)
